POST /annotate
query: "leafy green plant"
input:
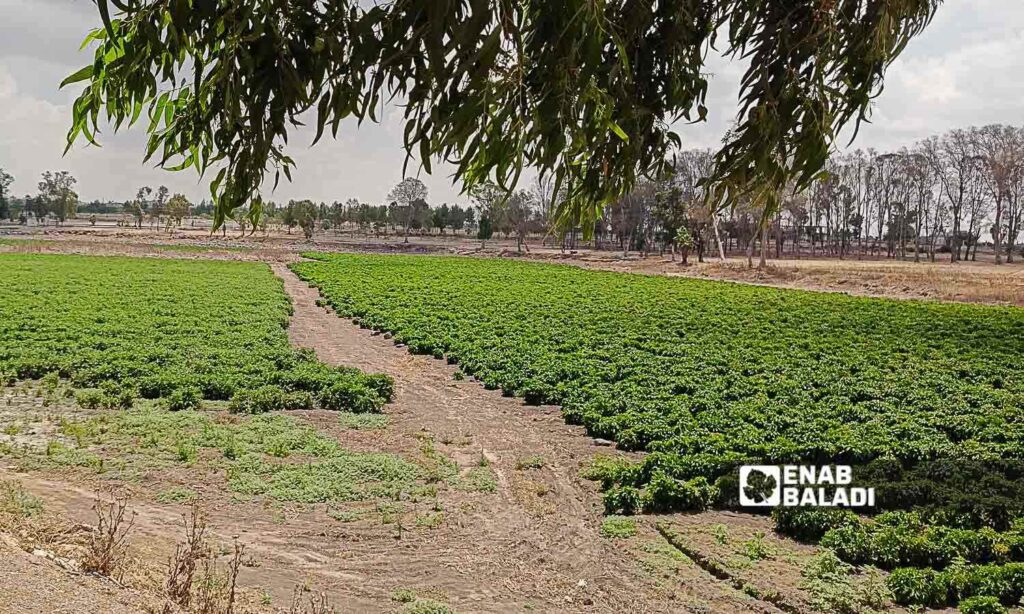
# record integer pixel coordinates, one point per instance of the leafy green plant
(15, 500)
(982, 605)
(618, 527)
(713, 376)
(756, 548)
(185, 398)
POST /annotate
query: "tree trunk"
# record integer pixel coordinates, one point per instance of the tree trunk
(718, 238)
(998, 231)
(764, 247)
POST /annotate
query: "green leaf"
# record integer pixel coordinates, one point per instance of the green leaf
(81, 74)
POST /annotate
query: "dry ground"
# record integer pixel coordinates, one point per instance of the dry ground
(526, 538)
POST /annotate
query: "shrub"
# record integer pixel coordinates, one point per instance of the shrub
(117, 396)
(184, 399)
(259, 401)
(350, 396)
(667, 493)
(90, 399)
(810, 524)
(982, 605)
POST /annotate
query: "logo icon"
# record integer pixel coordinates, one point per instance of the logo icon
(760, 485)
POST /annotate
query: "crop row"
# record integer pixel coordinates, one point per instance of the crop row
(181, 330)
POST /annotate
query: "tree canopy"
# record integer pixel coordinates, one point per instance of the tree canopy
(583, 91)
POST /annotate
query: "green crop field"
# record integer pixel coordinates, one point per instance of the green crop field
(178, 330)
(925, 399)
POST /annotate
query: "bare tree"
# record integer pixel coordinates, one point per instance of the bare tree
(406, 195)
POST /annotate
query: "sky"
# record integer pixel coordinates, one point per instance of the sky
(966, 69)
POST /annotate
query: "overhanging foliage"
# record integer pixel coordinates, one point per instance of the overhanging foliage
(583, 90)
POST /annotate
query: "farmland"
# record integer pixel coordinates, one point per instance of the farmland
(443, 415)
(925, 399)
(181, 331)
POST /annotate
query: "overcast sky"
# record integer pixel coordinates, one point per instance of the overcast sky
(966, 69)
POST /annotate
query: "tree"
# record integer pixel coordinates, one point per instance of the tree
(999, 147)
(600, 83)
(137, 208)
(177, 208)
(305, 213)
(56, 189)
(288, 217)
(407, 196)
(6, 179)
(519, 213)
(439, 218)
(485, 232)
(684, 242)
(490, 202)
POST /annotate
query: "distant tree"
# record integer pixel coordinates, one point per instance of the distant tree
(490, 203)
(6, 179)
(407, 192)
(684, 243)
(57, 191)
(419, 215)
(306, 212)
(178, 207)
(439, 218)
(137, 208)
(456, 218)
(519, 214)
(336, 216)
(485, 232)
(288, 217)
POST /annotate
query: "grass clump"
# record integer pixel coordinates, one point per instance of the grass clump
(344, 476)
(18, 502)
(534, 461)
(403, 595)
(478, 479)
(344, 515)
(618, 527)
(278, 456)
(426, 606)
(362, 422)
(757, 549)
(177, 494)
(431, 520)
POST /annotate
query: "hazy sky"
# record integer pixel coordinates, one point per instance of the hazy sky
(966, 69)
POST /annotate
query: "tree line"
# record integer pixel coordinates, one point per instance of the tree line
(946, 194)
